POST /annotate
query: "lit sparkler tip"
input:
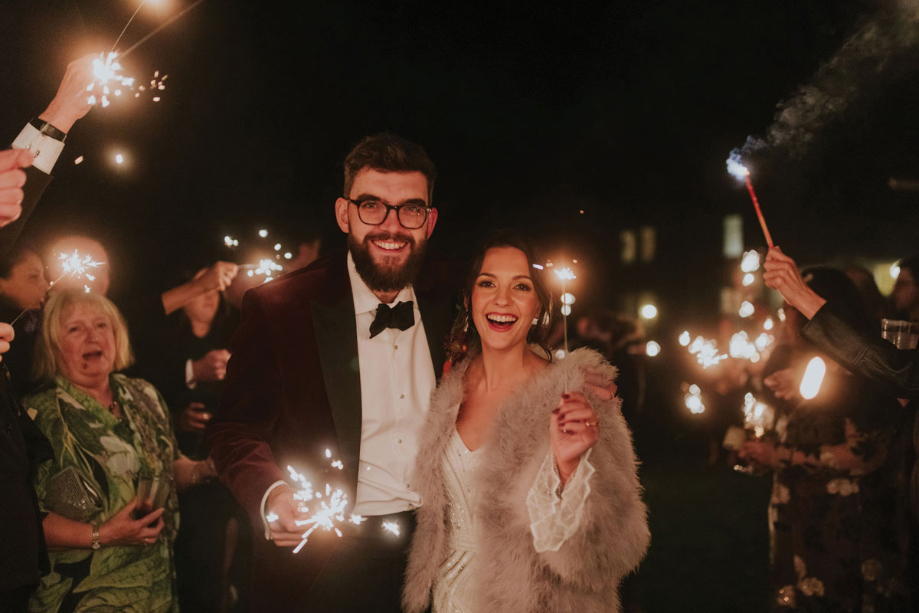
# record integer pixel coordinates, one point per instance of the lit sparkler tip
(813, 378)
(538, 266)
(391, 527)
(684, 338)
(736, 167)
(263, 233)
(79, 160)
(566, 274)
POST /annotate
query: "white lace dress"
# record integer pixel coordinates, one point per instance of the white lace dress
(554, 517)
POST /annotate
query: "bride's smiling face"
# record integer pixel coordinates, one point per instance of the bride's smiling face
(504, 299)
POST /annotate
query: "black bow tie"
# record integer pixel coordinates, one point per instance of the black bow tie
(401, 316)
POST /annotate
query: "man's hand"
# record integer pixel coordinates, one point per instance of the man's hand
(212, 367)
(6, 337)
(282, 510)
(781, 274)
(72, 99)
(194, 418)
(218, 276)
(12, 178)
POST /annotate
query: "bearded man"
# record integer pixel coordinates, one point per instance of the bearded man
(340, 356)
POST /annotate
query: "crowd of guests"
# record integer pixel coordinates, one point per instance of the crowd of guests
(509, 468)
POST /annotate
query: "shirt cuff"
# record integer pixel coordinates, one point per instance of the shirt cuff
(44, 149)
(555, 515)
(190, 375)
(263, 510)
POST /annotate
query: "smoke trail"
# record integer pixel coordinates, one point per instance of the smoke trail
(862, 61)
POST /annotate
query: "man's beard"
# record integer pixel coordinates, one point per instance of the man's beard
(386, 279)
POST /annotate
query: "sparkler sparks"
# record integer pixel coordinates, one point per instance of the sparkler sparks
(693, 399)
(706, 352)
(74, 266)
(328, 507)
(391, 527)
(758, 416)
(813, 378)
(741, 173)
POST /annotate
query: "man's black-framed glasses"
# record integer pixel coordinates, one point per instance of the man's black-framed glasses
(374, 212)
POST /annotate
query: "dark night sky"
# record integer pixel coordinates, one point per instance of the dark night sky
(626, 110)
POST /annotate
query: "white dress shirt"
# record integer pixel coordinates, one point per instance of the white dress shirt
(45, 149)
(397, 378)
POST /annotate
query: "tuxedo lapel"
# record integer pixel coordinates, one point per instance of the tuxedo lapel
(437, 316)
(336, 340)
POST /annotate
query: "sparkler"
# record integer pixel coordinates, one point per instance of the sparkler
(741, 173)
(75, 266)
(693, 399)
(758, 416)
(705, 350)
(565, 275)
(813, 378)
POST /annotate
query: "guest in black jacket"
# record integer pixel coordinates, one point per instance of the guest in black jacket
(868, 355)
(214, 540)
(25, 172)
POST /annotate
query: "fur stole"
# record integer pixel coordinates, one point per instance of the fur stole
(611, 540)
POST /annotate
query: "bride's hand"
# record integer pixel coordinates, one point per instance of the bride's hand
(573, 429)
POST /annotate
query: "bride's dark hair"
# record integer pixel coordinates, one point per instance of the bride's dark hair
(464, 338)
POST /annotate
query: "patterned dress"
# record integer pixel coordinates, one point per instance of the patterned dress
(108, 454)
(839, 529)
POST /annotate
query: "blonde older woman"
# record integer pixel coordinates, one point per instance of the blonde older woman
(106, 430)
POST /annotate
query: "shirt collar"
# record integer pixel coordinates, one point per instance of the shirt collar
(365, 301)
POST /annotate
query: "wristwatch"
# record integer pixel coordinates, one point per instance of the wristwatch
(47, 129)
(96, 543)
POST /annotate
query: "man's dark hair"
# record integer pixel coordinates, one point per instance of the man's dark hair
(388, 152)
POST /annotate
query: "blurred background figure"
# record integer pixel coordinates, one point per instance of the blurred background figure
(878, 307)
(22, 288)
(838, 515)
(213, 547)
(905, 295)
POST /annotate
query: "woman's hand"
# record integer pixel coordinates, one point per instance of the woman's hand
(123, 529)
(759, 452)
(573, 429)
(6, 337)
(781, 273)
(194, 418)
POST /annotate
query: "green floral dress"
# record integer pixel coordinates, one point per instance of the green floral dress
(108, 453)
(840, 534)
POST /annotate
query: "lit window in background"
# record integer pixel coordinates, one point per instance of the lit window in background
(733, 236)
(628, 246)
(648, 236)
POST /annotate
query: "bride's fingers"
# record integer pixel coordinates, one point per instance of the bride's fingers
(576, 427)
(577, 413)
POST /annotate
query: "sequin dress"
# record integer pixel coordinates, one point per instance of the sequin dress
(455, 590)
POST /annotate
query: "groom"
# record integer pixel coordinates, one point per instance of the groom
(342, 355)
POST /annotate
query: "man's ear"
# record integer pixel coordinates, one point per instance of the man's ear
(341, 215)
(432, 219)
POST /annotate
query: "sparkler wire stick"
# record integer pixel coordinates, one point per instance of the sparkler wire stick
(125, 29)
(759, 212)
(565, 274)
(156, 31)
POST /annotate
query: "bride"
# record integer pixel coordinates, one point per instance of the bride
(531, 500)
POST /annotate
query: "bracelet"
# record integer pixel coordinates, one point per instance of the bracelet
(48, 130)
(97, 544)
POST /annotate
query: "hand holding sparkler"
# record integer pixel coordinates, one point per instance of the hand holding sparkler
(782, 274)
(71, 102)
(784, 384)
(761, 452)
(12, 178)
(573, 429)
(283, 515)
(219, 276)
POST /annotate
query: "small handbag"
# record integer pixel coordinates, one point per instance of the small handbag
(70, 495)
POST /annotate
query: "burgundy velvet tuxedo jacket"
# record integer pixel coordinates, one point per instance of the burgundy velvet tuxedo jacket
(293, 390)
